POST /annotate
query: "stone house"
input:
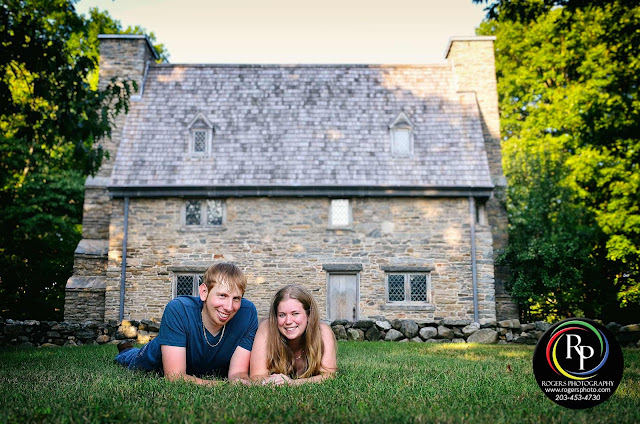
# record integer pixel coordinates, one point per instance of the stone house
(378, 187)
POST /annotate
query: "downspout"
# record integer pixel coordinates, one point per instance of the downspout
(474, 266)
(124, 256)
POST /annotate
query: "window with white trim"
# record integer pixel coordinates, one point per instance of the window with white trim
(401, 133)
(186, 284)
(340, 213)
(408, 287)
(203, 213)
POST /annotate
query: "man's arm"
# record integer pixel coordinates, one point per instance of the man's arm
(174, 364)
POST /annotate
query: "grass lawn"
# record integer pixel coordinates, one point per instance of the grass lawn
(378, 382)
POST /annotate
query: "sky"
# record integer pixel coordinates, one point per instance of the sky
(299, 31)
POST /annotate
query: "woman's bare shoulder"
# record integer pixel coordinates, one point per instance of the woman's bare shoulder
(263, 326)
(325, 330)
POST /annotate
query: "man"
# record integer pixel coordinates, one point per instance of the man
(209, 335)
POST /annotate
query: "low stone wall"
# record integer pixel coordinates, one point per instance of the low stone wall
(51, 333)
(462, 331)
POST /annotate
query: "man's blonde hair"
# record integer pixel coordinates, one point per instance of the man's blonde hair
(227, 275)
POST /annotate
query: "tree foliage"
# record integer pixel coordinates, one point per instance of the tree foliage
(51, 121)
(569, 86)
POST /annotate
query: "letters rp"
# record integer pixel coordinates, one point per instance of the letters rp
(580, 350)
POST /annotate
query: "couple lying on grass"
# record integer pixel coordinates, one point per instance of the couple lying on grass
(213, 335)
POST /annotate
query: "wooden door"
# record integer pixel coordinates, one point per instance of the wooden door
(342, 297)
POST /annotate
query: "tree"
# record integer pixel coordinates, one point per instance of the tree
(569, 86)
(51, 121)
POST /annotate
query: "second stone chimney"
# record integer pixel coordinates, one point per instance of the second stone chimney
(473, 61)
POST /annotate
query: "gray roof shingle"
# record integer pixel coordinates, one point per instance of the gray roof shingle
(302, 125)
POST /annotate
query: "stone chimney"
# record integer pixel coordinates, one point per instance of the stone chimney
(473, 62)
(124, 57)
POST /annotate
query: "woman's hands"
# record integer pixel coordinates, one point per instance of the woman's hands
(277, 379)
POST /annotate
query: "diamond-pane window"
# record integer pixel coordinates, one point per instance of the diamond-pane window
(199, 142)
(418, 283)
(187, 284)
(396, 288)
(184, 285)
(214, 212)
(408, 288)
(192, 213)
(340, 213)
(200, 136)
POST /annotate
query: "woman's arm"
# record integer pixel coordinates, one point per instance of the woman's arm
(258, 368)
(329, 362)
(239, 366)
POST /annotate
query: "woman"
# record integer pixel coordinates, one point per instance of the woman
(292, 346)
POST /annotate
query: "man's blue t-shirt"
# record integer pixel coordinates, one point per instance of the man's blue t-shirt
(182, 326)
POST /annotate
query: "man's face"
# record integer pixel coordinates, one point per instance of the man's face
(220, 304)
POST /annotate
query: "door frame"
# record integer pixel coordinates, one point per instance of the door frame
(357, 274)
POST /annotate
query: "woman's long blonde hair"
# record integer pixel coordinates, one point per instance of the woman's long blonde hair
(281, 360)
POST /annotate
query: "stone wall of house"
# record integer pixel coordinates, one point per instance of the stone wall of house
(278, 241)
(49, 333)
(82, 304)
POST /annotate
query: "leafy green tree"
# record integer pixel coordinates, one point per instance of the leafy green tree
(51, 121)
(569, 86)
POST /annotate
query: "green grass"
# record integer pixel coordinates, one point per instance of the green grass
(378, 383)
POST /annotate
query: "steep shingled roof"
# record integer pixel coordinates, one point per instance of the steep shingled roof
(302, 125)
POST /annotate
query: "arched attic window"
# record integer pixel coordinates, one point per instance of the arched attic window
(200, 136)
(401, 133)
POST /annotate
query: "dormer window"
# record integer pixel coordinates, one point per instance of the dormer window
(199, 141)
(401, 132)
(200, 136)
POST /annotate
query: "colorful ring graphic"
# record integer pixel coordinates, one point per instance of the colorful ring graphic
(557, 335)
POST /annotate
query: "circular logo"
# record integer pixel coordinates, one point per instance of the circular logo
(578, 363)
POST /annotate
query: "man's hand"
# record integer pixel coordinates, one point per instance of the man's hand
(174, 365)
